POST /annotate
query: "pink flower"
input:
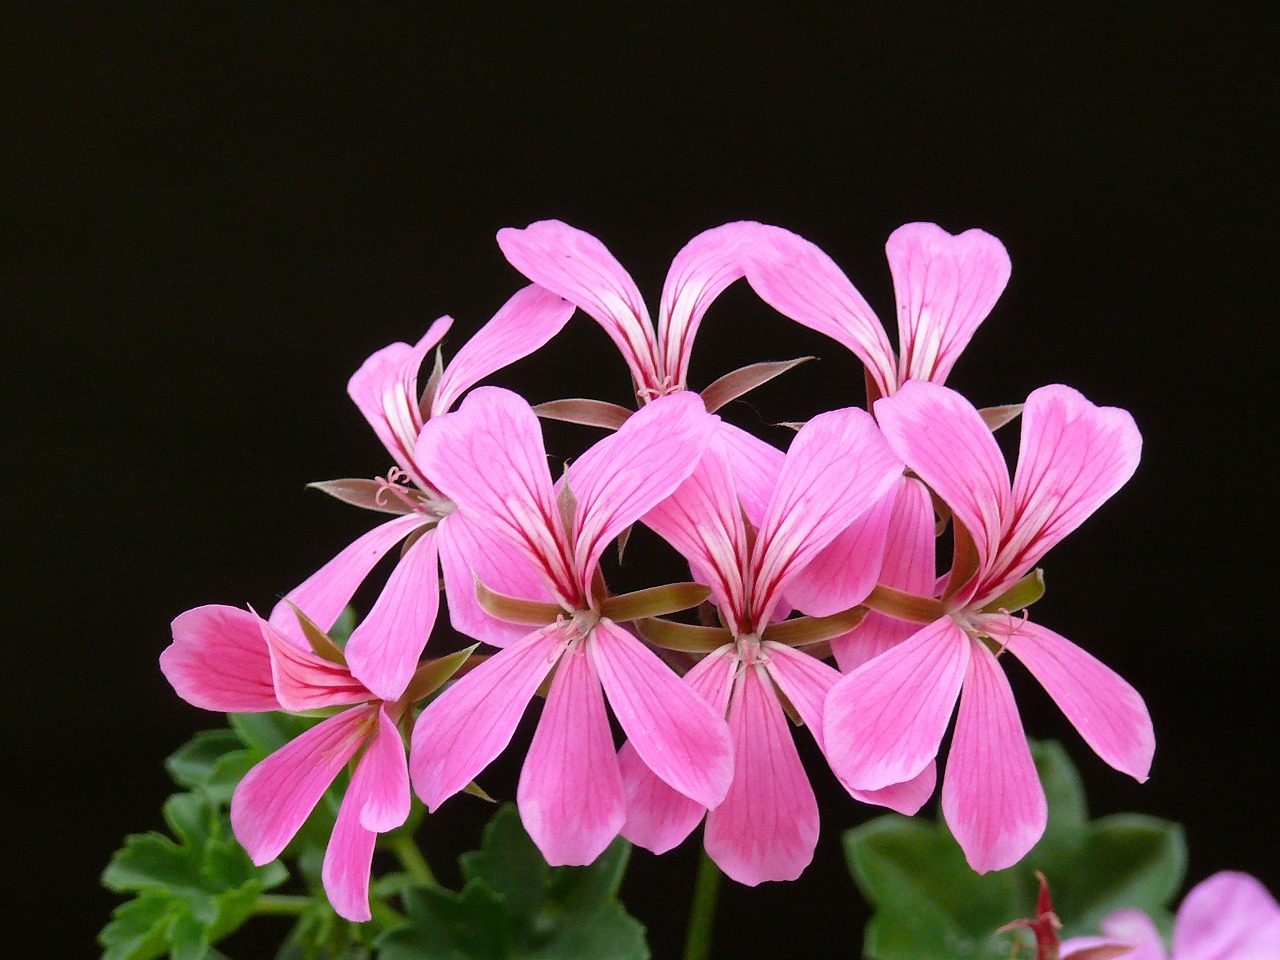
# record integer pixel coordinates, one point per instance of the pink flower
(227, 659)
(488, 457)
(838, 468)
(1230, 916)
(384, 649)
(885, 719)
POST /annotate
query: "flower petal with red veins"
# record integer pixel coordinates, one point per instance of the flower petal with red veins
(883, 723)
(304, 681)
(847, 569)
(805, 681)
(991, 793)
(385, 785)
(674, 731)
(756, 466)
(219, 661)
(570, 792)
(348, 860)
(905, 798)
(459, 733)
(1229, 916)
(767, 827)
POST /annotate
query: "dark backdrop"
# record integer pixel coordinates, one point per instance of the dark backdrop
(212, 218)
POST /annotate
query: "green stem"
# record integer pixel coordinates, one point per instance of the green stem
(411, 858)
(280, 905)
(697, 943)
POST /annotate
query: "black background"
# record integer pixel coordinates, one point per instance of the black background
(211, 218)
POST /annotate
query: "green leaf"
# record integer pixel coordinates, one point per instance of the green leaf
(138, 929)
(192, 765)
(929, 905)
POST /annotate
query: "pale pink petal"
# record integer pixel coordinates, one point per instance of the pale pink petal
(682, 739)
(1130, 926)
(276, 796)
(767, 827)
(699, 273)
(219, 661)
(945, 286)
(658, 817)
(570, 793)
(1230, 916)
(805, 680)
(1073, 457)
(348, 859)
(837, 469)
(305, 681)
(628, 473)
(755, 465)
(991, 794)
(383, 778)
(883, 723)
(522, 325)
(489, 459)
(905, 798)
(459, 733)
(1109, 713)
(800, 281)
(846, 570)
(384, 648)
(324, 594)
(471, 552)
(943, 439)
(385, 389)
(702, 519)
(578, 267)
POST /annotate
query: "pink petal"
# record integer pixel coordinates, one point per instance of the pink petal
(883, 723)
(905, 798)
(324, 594)
(460, 732)
(570, 793)
(385, 389)
(837, 469)
(383, 778)
(767, 827)
(578, 267)
(847, 569)
(218, 661)
(756, 466)
(1230, 916)
(800, 281)
(945, 286)
(1109, 713)
(1130, 926)
(488, 458)
(276, 796)
(943, 439)
(703, 521)
(522, 325)
(805, 681)
(991, 794)
(384, 648)
(304, 681)
(628, 473)
(1074, 456)
(658, 817)
(699, 273)
(681, 739)
(471, 552)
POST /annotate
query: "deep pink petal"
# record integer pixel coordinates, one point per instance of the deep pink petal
(522, 325)
(800, 281)
(805, 680)
(905, 798)
(488, 457)
(1074, 456)
(846, 570)
(699, 273)
(1229, 916)
(324, 594)
(991, 793)
(883, 723)
(943, 439)
(219, 661)
(767, 827)
(383, 778)
(384, 648)
(1109, 713)
(837, 469)
(658, 817)
(578, 267)
(945, 286)
(460, 732)
(385, 389)
(756, 466)
(675, 732)
(628, 473)
(348, 859)
(304, 681)
(570, 793)
(276, 796)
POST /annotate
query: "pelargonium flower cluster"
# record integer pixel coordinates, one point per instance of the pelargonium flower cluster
(826, 550)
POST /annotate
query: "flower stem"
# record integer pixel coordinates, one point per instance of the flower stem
(411, 858)
(280, 905)
(697, 943)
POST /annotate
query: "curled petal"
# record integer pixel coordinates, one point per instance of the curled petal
(218, 661)
(305, 681)
(905, 798)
